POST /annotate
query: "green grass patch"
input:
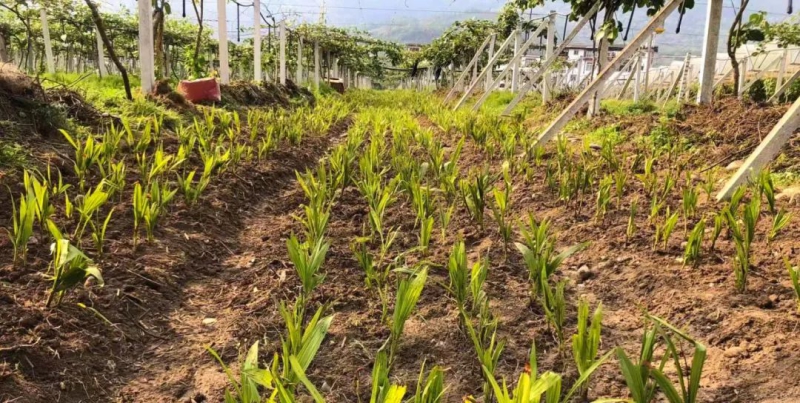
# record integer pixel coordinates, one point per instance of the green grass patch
(602, 134)
(624, 107)
(108, 94)
(786, 179)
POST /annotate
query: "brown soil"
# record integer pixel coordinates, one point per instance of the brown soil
(167, 96)
(226, 260)
(247, 93)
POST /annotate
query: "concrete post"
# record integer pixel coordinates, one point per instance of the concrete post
(316, 65)
(335, 66)
(742, 77)
(510, 66)
(257, 76)
(602, 60)
(782, 69)
(710, 44)
(765, 152)
(48, 47)
(535, 77)
(282, 55)
(101, 57)
(299, 74)
(569, 112)
(549, 48)
(486, 70)
(648, 65)
(224, 70)
(684, 88)
(489, 74)
(146, 52)
(515, 66)
(784, 87)
(473, 63)
(637, 79)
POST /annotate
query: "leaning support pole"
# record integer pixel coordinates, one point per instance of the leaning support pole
(634, 69)
(675, 83)
(710, 44)
(486, 70)
(784, 87)
(466, 71)
(765, 152)
(761, 74)
(547, 63)
(568, 113)
(510, 66)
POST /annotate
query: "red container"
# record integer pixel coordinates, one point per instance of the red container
(204, 89)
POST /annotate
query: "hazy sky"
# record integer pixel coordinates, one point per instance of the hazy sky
(418, 20)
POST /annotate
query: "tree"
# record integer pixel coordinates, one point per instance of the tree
(161, 9)
(98, 21)
(15, 8)
(3, 47)
(741, 33)
(197, 63)
(611, 26)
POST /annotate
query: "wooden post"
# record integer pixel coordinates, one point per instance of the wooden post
(765, 152)
(224, 70)
(489, 74)
(282, 55)
(101, 56)
(257, 76)
(299, 75)
(549, 48)
(533, 79)
(316, 65)
(710, 44)
(566, 115)
(146, 52)
(48, 47)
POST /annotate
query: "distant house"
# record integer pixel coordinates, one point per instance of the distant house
(413, 47)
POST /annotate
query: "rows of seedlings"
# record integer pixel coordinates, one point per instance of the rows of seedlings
(464, 164)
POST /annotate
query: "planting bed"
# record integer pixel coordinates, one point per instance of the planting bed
(217, 271)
